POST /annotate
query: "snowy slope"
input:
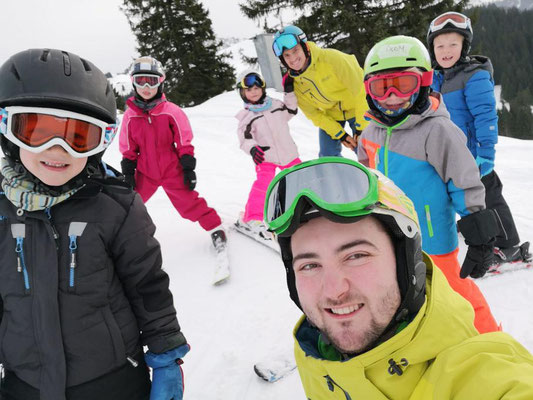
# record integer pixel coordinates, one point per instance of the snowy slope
(251, 317)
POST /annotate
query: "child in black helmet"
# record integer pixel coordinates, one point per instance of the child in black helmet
(467, 87)
(81, 285)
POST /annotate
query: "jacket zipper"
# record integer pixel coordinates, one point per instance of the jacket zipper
(19, 233)
(331, 386)
(428, 220)
(75, 230)
(386, 153)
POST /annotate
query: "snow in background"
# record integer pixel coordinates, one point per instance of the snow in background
(250, 318)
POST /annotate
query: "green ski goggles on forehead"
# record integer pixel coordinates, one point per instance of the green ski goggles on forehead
(337, 185)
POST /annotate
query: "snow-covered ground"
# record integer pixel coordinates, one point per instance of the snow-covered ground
(250, 318)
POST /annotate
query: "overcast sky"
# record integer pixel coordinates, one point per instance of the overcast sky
(95, 29)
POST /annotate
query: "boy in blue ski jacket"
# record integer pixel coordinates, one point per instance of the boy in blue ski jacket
(467, 86)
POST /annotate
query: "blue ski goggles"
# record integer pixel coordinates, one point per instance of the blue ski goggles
(285, 41)
(252, 80)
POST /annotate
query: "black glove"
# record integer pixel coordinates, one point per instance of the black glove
(188, 163)
(258, 153)
(288, 83)
(477, 261)
(479, 230)
(128, 169)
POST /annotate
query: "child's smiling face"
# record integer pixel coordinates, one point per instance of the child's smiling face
(53, 166)
(447, 48)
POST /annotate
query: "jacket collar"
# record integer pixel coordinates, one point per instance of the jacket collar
(436, 108)
(132, 105)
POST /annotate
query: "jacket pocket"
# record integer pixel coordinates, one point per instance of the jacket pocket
(115, 334)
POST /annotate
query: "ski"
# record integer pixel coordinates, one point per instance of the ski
(222, 271)
(499, 269)
(274, 370)
(264, 237)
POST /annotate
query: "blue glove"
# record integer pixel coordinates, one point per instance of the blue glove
(485, 165)
(167, 376)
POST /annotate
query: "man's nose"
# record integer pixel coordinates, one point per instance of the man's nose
(335, 283)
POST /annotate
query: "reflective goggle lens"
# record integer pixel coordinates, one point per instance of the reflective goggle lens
(142, 80)
(338, 187)
(405, 84)
(34, 130)
(253, 79)
(459, 20)
(286, 41)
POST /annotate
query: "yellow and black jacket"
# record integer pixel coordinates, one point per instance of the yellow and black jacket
(331, 89)
(438, 356)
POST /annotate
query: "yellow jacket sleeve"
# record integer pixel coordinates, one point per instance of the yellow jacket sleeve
(331, 89)
(348, 71)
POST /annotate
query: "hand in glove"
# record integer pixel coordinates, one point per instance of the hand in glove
(477, 261)
(348, 141)
(167, 376)
(258, 153)
(479, 230)
(288, 83)
(485, 165)
(128, 169)
(188, 163)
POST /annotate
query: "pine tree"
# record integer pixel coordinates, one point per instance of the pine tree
(354, 26)
(179, 34)
(506, 37)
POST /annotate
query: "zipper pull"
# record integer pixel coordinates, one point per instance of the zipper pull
(73, 260)
(19, 264)
(149, 119)
(18, 250)
(132, 361)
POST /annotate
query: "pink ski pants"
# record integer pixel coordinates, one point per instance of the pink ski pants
(256, 199)
(187, 202)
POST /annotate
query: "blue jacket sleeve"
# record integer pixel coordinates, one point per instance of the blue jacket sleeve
(480, 100)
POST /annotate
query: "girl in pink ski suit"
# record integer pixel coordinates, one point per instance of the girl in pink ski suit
(155, 141)
(264, 134)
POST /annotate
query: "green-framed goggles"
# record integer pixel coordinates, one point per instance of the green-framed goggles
(338, 185)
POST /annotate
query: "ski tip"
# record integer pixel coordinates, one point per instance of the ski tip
(220, 281)
(261, 375)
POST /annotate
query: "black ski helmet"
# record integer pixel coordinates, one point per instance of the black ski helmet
(53, 78)
(240, 87)
(451, 26)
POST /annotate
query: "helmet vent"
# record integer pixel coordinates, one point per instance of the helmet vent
(410, 59)
(15, 72)
(86, 65)
(44, 56)
(66, 64)
(374, 64)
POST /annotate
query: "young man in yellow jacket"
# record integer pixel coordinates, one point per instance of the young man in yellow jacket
(328, 85)
(381, 322)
